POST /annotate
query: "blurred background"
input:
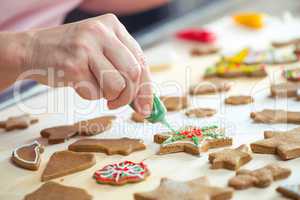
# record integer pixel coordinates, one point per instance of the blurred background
(155, 24)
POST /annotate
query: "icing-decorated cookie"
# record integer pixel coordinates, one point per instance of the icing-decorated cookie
(290, 191)
(285, 89)
(224, 69)
(209, 87)
(270, 56)
(231, 159)
(276, 116)
(262, 177)
(18, 122)
(123, 146)
(174, 103)
(28, 156)
(94, 126)
(196, 189)
(239, 100)
(292, 74)
(200, 112)
(63, 163)
(122, 173)
(59, 134)
(192, 140)
(286, 144)
(56, 191)
(137, 117)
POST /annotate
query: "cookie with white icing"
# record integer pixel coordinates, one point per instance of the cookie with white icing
(28, 156)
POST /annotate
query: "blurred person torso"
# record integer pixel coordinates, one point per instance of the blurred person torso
(20, 15)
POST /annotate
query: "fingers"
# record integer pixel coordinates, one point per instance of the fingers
(126, 97)
(89, 87)
(144, 100)
(109, 79)
(131, 44)
(122, 58)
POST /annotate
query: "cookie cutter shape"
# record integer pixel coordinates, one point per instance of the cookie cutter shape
(28, 156)
(18, 122)
(198, 188)
(239, 100)
(52, 191)
(63, 163)
(123, 146)
(200, 112)
(262, 177)
(231, 159)
(276, 116)
(174, 103)
(286, 144)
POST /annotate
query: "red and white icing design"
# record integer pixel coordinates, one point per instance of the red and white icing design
(126, 171)
(37, 147)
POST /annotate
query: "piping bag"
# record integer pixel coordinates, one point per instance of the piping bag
(158, 113)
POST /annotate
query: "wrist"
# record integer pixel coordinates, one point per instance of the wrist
(15, 50)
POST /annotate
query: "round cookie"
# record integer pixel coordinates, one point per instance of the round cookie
(136, 117)
(200, 112)
(239, 100)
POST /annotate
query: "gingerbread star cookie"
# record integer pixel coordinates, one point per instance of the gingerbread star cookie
(262, 177)
(122, 173)
(174, 103)
(200, 112)
(63, 163)
(56, 191)
(210, 87)
(94, 126)
(290, 191)
(192, 140)
(18, 122)
(292, 74)
(196, 189)
(285, 89)
(28, 156)
(59, 134)
(123, 146)
(276, 116)
(137, 117)
(239, 100)
(286, 144)
(231, 159)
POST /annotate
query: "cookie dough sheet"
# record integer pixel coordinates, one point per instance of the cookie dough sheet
(63, 106)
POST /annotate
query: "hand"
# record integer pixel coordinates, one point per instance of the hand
(97, 57)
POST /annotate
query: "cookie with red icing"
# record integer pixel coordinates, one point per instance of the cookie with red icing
(122, 173)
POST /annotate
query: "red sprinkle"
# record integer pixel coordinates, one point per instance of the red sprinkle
(192, 133)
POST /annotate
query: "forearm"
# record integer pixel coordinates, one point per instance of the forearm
(12, 57)
(121, 7)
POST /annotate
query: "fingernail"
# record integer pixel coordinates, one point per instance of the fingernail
(146, 110)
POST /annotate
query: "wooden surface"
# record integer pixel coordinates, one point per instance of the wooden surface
(62, 106)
